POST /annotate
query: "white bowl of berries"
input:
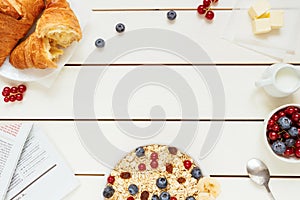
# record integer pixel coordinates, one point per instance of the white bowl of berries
(282, 132)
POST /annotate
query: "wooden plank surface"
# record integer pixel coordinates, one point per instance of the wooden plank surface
(241, 99)
(239, 142)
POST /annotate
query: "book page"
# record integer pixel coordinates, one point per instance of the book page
(12, 139)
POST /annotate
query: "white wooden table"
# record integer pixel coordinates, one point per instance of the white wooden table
(245, 105)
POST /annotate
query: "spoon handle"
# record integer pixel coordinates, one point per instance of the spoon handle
(269, 192)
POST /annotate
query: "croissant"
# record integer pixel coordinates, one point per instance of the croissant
(56, 29)
(16, 18)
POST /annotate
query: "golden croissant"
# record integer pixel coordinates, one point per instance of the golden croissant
(56, 29)
(16, 18)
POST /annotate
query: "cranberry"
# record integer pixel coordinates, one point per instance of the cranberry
(275, 117)
(6, 99)
(210, 15)
(295, 117)
(130, 198)
(173, 198)
(6, 89)
(297, 152)
(206, 3)
(154, 164)
(281, 114)
(275, 128)
(5, 93)
(289, 152)
(19, 97)
(297, 143)
(111, 179)
(273, 135)
(12, 98)
(201, 10)
(187, 164)
(154, 156)
(22, 88)
(289, 110)
(286, 135)
(14, 90)
(142, 167)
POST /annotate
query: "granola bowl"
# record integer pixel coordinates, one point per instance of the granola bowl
(159, 172)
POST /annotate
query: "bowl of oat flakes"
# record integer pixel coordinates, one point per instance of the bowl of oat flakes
(159, 172)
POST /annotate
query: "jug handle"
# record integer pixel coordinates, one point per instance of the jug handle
(263, 82)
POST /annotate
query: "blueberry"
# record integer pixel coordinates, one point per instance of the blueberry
(278, 147)
(290, 142)
(293, 131)
(108, 192)
(99, 43)
(196, 173)
(139, 152)
(161, 183)
(155, 197)
(284, 123)
(171, 15)
(190, 198)
(164, 196)
(133, 189)
(120, 27)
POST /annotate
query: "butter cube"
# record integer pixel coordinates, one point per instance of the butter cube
(262, 25)
(259, 8)
(276, 18)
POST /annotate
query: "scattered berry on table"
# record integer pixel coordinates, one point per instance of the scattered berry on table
(19, 97)
(14, 90)
(206, 3)
(161, 183)
(201, 10)
(133, 189)
(171, 15)
(278, 147)
(164, 196)
(293, 131)
(12, 98)
(196, 173)
(6, 99)
(14, 93)
(284, 123)
(99, 43)
(22, 88)
(108, 192)
(140, 151)
(120, 27)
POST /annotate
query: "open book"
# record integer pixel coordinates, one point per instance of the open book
(30, 167)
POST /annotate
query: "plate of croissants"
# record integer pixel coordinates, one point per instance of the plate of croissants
(38, 37)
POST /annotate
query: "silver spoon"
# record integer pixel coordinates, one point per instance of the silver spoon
(259, 174)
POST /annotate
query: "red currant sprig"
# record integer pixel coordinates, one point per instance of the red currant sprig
(14, 93)
(205, 8)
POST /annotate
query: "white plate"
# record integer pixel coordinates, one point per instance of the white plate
(29, 75)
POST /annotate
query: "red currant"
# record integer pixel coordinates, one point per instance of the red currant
(111, 179)
(187, 164)
(275, 117)
(22, 88)
(297, 152)
(210, 15)
(14, 90)
(295, 117)
(154, 164)
(12, 98)
(154, 156)
(142, 167)
(215, 1)
(275, 128)
(130, 198)
(273, 135)
(173, 198)
(7, 89)
(19, 97)
(281, 114)
(296, 109)
(201, 10)
(289, 110)
(297, 143)
(286, 135)
(5, 93)
(289, 152)
(271, 122)
(206, 3)
(6, 99)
